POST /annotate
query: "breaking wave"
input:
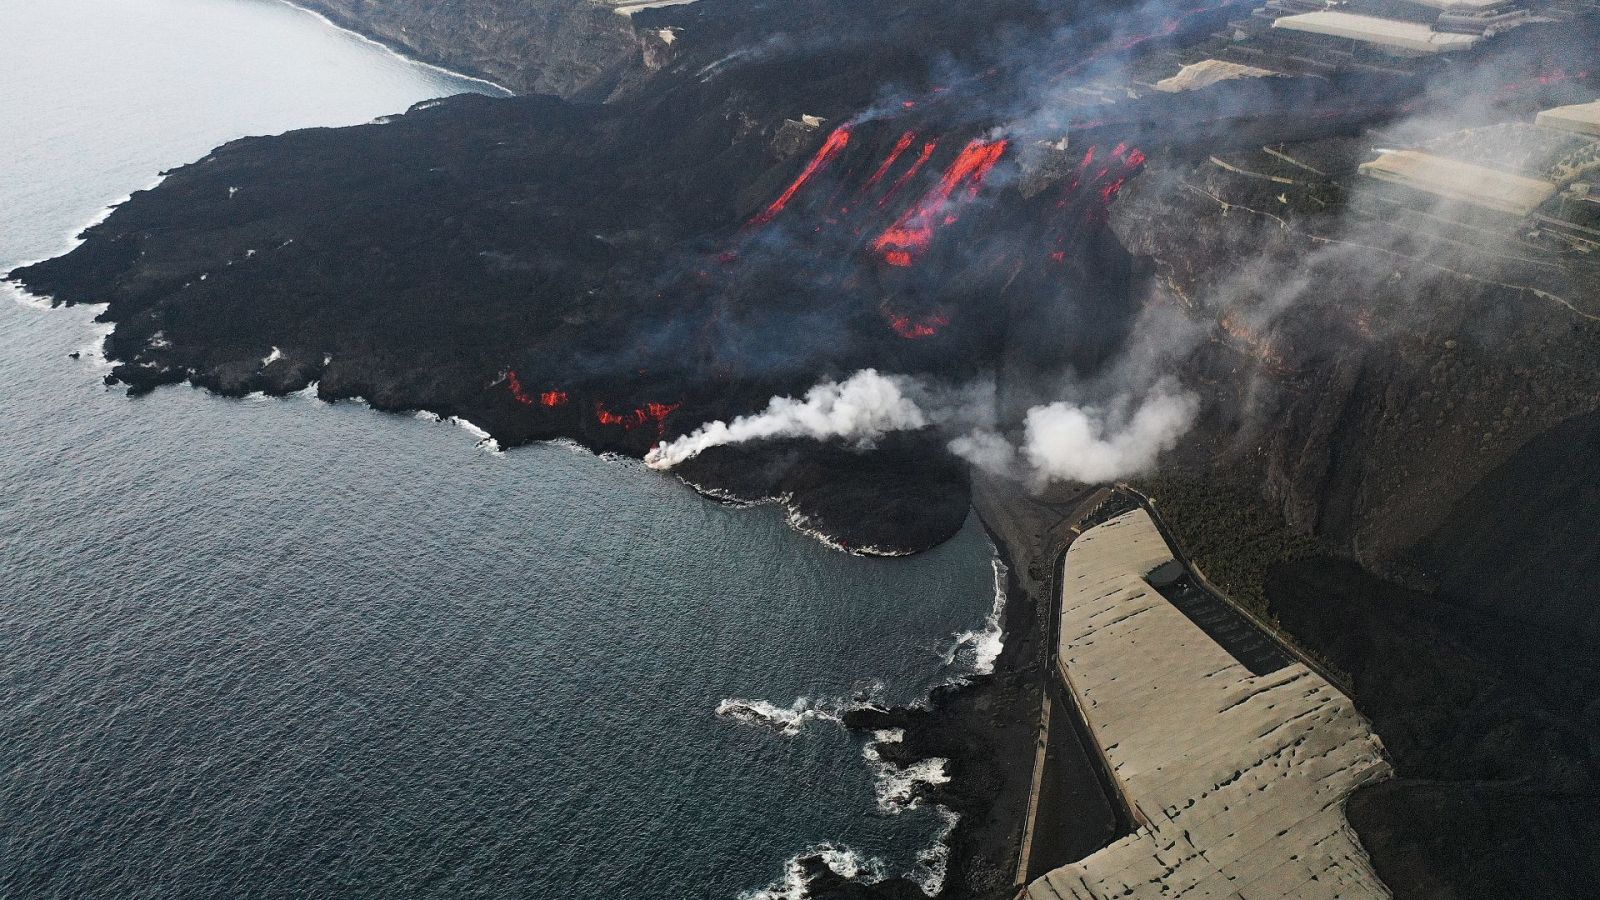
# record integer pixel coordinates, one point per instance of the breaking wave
(792, 719)
(978, 649)
(900, 788)
(844, 861)
(485, 441)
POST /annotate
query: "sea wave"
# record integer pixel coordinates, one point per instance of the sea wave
(23, 296)
(792, 719)
(976, 651)
(900, 788)
(485, 441)
(844, 861)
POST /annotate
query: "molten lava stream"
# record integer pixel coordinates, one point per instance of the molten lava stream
(836, 142)
(643, 415)
(905, 177)
(912, 233)
(547, 399)
(517, 392)
(888, 163)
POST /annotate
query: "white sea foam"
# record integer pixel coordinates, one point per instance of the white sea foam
(485, 442)
(933, 864)
(93, 353)
(979, 649)
(427, 415)
(898, 788)
(309, 392)
(787, 721)
(23, 296)
(844, 861)
(790, 720)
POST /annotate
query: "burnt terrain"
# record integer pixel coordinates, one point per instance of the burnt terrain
(791, 192)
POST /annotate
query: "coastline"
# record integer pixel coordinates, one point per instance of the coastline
(397, 50)
(987, 728)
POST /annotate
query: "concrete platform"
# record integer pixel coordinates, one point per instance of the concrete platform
(1239, 781)
(1453, 180)
(1581, 118)
(1390, 35)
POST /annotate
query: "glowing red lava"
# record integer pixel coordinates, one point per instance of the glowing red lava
(914, 328)
(912, 233)
(836, 142)
(900, 147)
(1543, 79)
(1099, 187)
(547, 399)
(907, 175)
(517, 393)
(649, 413)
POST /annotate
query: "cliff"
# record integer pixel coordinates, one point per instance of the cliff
(571, 48)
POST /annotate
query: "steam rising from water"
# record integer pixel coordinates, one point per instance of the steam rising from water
(862, 408)
(1062, 440)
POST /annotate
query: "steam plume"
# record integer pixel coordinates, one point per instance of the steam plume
(1062, 440)
(863, 407)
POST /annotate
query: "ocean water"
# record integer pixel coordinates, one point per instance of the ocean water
(275, 648)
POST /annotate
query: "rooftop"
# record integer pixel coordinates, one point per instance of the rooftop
(1451, 179)
(1582, 118)
(1391, 35)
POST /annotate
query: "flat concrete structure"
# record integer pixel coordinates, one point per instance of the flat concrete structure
(1206, 73)
(1581, 118)
(1389, 35)
(1466, 6)
(629, 7)
(1451, 179)
(1239, 781)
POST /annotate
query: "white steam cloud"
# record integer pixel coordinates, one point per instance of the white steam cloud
(860, 409)
(1061, 440)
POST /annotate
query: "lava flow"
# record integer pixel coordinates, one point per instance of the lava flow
(547, 399)
(914, 328)
(1092, 190)
(916, 166)
(912, 233)
(888, 163)
(656, 413)
(836, 142)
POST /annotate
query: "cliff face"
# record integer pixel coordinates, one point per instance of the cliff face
(571, 48)
(1372, 365)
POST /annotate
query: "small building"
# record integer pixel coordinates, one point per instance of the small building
(1390, 36)
(1454, 181)
(1582, 118)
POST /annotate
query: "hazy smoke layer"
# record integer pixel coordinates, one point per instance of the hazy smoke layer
(1062, 440)
(865, 406)
(1067, 442)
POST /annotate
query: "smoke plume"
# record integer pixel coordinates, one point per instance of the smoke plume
(1061, 440)
(860, 409)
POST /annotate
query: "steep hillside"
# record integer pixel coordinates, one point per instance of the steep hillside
(566, 47)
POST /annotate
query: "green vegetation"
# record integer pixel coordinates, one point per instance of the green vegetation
(1229, 531)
